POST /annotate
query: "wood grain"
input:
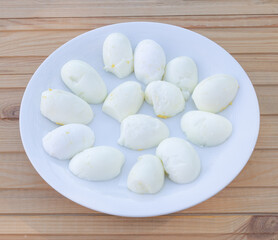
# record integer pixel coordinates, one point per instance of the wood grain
(263, 65)
(19, 65)
(75, 8)
(260, 170)
(234, 236)
(164, 225)
(15, 81)
(263, 78)
(42, 43)
(192, 22)
(229, 201)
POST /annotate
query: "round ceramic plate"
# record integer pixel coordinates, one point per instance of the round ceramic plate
(220, 165)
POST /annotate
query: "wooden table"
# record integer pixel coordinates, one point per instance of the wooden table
(30, 30)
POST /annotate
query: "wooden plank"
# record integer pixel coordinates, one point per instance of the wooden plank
(263, 78)
(158, 236)
(19, 65)
(17, 172)
(268, 136)
(137, 226)
(240, 200)
(10, 103)
(14, 81)
(252, 63)
(268, 99)
(228, 201)
(258, 62)
(260, 171)
(34, 43)
(10, 139)
(87, 8)
(244, 40)
(234, 40)
(212, 21)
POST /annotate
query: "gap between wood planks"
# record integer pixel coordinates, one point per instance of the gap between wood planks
(176, 214)
(196, 236)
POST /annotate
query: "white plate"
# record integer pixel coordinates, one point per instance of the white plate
(220, 165)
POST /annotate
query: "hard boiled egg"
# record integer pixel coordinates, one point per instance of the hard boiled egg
(215, 93)
(66, 141)
(149, 61)
(118, 55)
(64, 107)
(147, 175)
(205, 129)
(124, 100)
(166, 98)
(141, 131)
(182, 71)
(180, 160)
(84, 81)
(97, 164)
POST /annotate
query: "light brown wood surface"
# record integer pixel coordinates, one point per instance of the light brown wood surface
(30, 30)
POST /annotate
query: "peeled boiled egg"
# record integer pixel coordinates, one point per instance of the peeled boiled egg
(141, 131)
(118, 55)
(147, 175)
(66, 141)
(215, 93)
(205, 128)
(149, 61)
(97, 164)
(166, 98)
(124, 100)
(182, 71)
(180, 160)
(84, 81)
(64, 107)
